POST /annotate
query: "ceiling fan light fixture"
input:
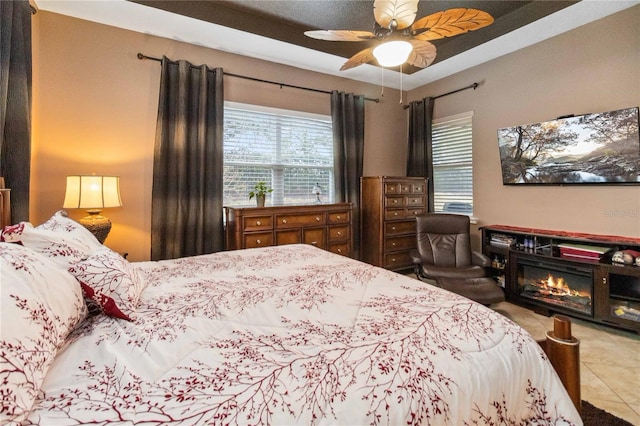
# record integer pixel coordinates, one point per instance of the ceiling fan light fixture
(392, 53)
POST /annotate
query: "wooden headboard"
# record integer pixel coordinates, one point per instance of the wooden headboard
(5, 205)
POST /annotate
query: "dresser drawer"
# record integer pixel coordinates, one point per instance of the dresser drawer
(258, 239)
(414, 200)
(338, 233)
(256, 223)
(398, 260)
(300, 219)
(339, 217)
(395, 201)
(340, 248)
(399, 228)
(418, 188)
(392, 188)
(400, 243)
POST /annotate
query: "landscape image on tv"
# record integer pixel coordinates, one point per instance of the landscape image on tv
(591, 149)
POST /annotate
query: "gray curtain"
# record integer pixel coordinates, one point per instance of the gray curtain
(420, 143)
(347, 115)
(15, 103)
(186, 205)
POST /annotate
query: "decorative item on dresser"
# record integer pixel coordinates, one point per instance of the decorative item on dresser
(389, 206)
(327, 226)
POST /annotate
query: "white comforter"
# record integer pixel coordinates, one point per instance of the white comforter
(297, 335)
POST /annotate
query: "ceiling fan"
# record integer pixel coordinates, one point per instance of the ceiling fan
(402, 39)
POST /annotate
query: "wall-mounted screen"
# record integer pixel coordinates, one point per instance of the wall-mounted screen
(601, 148)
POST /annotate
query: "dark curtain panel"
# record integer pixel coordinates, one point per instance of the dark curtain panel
(15, 103)
(419, 153)
(347, 115)
(186, 205)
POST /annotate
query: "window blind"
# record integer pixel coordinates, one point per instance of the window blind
(291, 152)
(452, 164)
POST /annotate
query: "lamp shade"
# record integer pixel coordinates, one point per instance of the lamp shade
(92, 192)
(392, 53)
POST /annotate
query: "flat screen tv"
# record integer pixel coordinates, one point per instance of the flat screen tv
(601, 148)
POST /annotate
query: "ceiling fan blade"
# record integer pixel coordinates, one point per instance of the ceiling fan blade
(449, 23)
(402, 11)
(423, 53)
(340, 35)
(362, 57)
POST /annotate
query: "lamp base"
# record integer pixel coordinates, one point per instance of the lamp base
(97, 224)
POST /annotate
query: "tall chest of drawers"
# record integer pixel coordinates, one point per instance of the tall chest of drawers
(327, 226)
(388, 209)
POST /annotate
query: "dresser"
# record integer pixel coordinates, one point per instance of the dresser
(388, 209)
(327, 226)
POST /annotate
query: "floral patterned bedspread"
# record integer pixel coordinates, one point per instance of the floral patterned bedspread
(296, 335)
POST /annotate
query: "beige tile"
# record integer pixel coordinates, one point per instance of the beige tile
(622, 380)
(594, 389)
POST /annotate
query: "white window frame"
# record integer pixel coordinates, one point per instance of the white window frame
(277, 196)
(452, 155)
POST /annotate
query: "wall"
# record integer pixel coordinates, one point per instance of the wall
(593, 68)
(95, 107)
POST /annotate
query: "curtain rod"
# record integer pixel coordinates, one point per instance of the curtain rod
(471, 86)
(142, 57)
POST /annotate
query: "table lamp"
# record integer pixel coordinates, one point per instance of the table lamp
(93, 193)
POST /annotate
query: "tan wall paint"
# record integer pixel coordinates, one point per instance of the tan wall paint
(593, 68)
(95, 107)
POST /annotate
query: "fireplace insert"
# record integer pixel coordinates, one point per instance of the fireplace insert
(560, 285)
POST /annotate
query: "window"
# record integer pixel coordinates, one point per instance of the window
(289, 150)
(452, 164)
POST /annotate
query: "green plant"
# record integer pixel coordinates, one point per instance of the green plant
(260, 189)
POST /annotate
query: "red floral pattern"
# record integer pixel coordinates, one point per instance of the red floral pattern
(307, 338)
(41, 303)
(110, 281)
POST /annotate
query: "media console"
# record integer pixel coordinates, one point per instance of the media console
(568, 273)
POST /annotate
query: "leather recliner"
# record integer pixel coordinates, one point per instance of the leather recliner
(444, 255)
(444, 248)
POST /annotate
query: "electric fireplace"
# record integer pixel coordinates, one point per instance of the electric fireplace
(560, 285)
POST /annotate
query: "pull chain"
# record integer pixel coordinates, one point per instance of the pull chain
(382, 79)
(401, 84)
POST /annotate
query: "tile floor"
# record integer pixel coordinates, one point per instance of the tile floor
(609, 360)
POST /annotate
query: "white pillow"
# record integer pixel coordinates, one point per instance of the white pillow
(60, 238)
(40, 304)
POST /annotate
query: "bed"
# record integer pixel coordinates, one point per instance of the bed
(279, 335)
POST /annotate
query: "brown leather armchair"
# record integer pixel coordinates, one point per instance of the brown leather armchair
(444, 254)
(444, 248)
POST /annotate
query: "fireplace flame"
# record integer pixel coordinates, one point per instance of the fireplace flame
(558, 286)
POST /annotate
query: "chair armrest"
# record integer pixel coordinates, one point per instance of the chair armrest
(480, 259)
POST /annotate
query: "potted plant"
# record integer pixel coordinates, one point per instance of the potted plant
(260, 191)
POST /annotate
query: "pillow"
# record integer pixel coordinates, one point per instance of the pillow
(40, 304)
(110, 281)
(60, 238)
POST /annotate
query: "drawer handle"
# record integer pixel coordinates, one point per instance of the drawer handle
(393, 260)
(258, 223)
(339, 217)
(314, 243)
(258, 241)
(395, 213)
(393, 228)
(339, 250)
(414, 201)
(339, 234)
(284, 220)
(415, 213)
(393, 244)
(317, 219)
